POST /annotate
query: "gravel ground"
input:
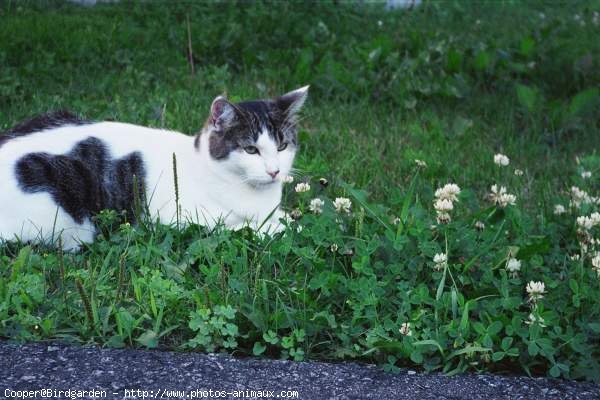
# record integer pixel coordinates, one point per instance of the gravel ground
(153, 374)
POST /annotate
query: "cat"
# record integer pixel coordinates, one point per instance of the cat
(58, 171)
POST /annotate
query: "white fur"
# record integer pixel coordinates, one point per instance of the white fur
(236, 191)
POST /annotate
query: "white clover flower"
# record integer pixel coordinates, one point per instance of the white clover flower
(342, 204)
(559, 209)
(584, 222)
(453, 189)
(333, 248)
(405, 329)
(440, 260)
(519, 172)
(443, 202)
(535, 290)
(586, 174)
(501, 160)
(574, 257)
(296, 214)
(587, 223)
(596, 263)
(480, 225)
(302, 187)
(316, 206)
(513, 266)
(500, 197)
(421, 163)
(442, 218)
(507, 199)
(535, 320)
(496, 192)
(443, 205)
(596, 260)
(579, 197)
(450, 191)
(288, 179)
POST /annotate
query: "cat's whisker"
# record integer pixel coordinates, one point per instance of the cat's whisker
(295, 172)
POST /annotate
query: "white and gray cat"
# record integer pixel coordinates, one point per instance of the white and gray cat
(58, 171)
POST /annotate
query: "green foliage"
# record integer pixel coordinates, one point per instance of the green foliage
(446, 83)
(333, 285)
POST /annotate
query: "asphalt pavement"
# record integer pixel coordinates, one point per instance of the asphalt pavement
(71, 372)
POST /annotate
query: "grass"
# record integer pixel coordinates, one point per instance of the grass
(446, 83)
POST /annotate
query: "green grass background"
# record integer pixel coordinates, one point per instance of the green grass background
(128, 61)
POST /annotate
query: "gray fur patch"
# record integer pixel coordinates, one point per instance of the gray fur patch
(42, 122)
(86, 180)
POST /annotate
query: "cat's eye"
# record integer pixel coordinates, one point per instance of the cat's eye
(251, 150)
(282, 147)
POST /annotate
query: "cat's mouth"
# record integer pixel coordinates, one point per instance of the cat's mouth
(262, 183)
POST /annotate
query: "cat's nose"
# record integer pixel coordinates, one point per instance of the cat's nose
(273, 174)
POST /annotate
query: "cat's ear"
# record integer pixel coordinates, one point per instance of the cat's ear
(290, 103)
(222, 114)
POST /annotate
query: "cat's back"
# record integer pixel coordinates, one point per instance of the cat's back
(59, 133)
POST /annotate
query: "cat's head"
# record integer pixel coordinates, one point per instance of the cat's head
(255, 140)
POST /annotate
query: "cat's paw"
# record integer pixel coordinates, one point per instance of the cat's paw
(271, 227)
(69, 244)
